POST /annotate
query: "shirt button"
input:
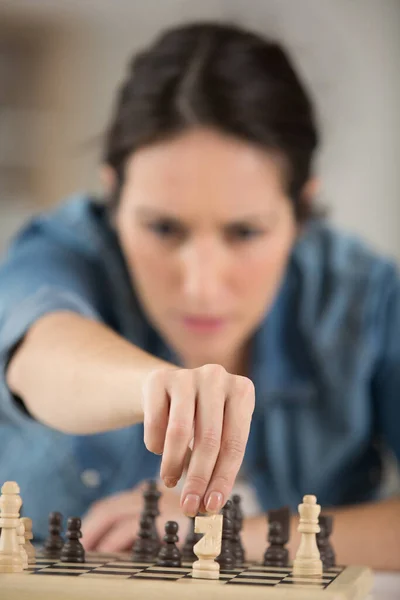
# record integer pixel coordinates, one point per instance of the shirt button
(91, 478)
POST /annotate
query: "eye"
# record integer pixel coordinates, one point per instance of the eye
(242, 232)
(166, 228)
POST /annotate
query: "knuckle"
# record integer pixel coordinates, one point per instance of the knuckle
(154, 381)
(210, 440)
(196, 481)
(179, 429)
(97, 508)
(181, 379)
(233, 447)
(244, 386)
(179, 375)
(222, 481)
(214, 372)
(158, 375)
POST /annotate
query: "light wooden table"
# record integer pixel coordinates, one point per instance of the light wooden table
(387, 586)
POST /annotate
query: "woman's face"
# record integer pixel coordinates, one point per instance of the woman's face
(206, 229)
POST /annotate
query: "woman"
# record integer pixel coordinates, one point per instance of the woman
(204, 304)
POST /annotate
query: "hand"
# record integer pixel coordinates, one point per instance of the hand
(111, 524)
(210, 408)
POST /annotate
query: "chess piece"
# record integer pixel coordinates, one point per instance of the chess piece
(327, 554)
(30, 550)
(151, 497)
(54, 543)
(238, 550)
(276, 555)
(208, 547)
(191, 539)
(21, 542)
(73, 551)
(226, 559)
(307, 560)
(10, 504)
(143, 546)
(169, 555)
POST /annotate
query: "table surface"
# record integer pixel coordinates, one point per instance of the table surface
(387, 586)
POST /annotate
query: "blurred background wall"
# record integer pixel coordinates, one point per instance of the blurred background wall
(61, 60)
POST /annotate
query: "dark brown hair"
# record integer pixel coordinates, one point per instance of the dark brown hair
(219, 76)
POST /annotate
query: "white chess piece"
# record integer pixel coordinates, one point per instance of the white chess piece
(10, 504)
(21, 541)
(208, 548)
(30, 550)
(307, 561)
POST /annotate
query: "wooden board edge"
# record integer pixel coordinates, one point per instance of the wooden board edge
(354, 583)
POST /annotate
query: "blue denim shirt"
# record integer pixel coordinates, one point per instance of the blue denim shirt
(325, 364)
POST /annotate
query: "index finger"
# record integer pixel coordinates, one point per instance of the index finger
(239, 409)
(207, 440)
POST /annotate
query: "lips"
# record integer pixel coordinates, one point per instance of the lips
(200, 323)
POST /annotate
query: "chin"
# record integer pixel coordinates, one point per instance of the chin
(205, 354)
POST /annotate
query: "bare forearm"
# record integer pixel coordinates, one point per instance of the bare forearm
(364, 534)
(78, 376)
(368, 534)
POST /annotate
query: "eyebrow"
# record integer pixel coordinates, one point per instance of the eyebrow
(147, 212)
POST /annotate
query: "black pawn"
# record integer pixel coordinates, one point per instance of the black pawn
(226, 559)
(54, 543)
(191, 539)
(169, 555)
(326, 551)
(276, 555)
(142, 550)
(73, 550)
(151, 498)
(238, 549)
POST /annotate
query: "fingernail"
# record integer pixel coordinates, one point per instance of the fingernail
(214, 502)
(170, 482)
(191, 505)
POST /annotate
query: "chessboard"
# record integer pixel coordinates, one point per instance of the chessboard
(102, 577)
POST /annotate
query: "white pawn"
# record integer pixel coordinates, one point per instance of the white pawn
(10, 504)
(307, 561)
(21, 541)
(30, 550)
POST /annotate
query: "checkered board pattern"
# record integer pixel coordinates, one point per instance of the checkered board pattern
(103, 577)
(124, 569)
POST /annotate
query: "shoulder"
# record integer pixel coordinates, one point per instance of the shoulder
(78, 224)
(61, 259)
(333, 261)
(323, 250)
(338, 279)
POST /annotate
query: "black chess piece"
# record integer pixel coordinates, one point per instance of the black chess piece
(326, 552)
(169, 555)
(191, 539)
(276, 555)
(73, 551)
(54, 543)
(238, 550)
(151, 497)
(226, 559)
(143, 547)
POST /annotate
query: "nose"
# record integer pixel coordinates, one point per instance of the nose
(203, 273)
